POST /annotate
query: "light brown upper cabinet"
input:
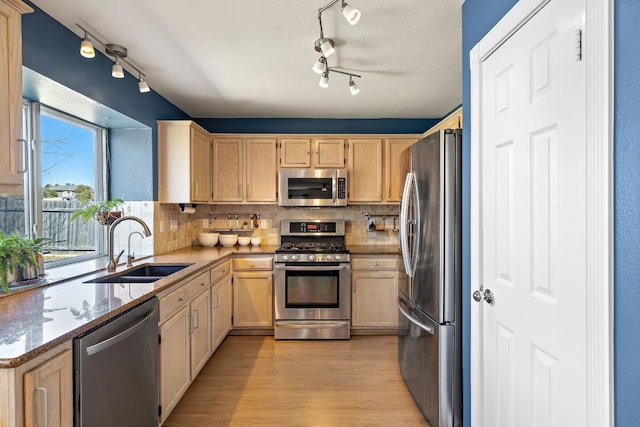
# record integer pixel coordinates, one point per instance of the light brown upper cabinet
(396, 166)
(184, 162)
(365, 170)
(452, 121)
(12, 145)
(312, 152)
(244, 170)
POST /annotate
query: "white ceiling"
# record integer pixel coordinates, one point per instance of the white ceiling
(253, 58)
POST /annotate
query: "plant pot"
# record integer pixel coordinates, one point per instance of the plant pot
(107, 218)
(27, 272)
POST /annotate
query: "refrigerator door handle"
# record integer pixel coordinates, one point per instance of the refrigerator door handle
(404, 229)
(410, 318)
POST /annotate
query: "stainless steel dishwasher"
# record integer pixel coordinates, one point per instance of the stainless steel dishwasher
(116, 371)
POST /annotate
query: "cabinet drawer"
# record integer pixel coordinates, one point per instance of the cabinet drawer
(181, 296)
(220, 271)
(374, 263)
(253, 263)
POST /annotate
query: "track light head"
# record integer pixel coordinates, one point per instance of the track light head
(353, 87)
(143, 86)
(319, 66)
(86, 47)
(326, 46)
(324, 80)
(117, 71)
(350, 13)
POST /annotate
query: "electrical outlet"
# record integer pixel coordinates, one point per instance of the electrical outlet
(161, 226)
(173, 225)
(205, 223)
(371, 224)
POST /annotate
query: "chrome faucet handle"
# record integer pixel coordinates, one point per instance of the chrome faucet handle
(117, 258)
(130, 259)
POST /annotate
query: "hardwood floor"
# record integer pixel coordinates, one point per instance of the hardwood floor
(257, 381)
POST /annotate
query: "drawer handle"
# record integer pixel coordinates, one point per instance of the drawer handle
(46, 404)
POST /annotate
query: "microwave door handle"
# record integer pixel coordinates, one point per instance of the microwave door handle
(334, 188)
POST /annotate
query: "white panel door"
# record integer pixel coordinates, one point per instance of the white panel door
(533, 224)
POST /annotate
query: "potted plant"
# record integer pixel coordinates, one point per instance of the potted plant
(105, 211)
(19, 258)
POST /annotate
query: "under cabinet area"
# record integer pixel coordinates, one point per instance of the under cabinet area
(252, 292)
(185, 338)
(221, 303)
(184, 163)
(374, 287)
(12, 146)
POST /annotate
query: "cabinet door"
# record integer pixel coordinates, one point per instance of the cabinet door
(200, 331)
(295, 152)
(48, 392)
(374, 298)
(261, 170)
(227, 170)
(396, 167)
(252, 303)
(222, 308)
(365, 170)
(329, 153)
(200, 166)
(11, 147)
(174, 360)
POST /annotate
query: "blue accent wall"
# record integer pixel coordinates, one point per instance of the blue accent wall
(627, 212)
(356, 126)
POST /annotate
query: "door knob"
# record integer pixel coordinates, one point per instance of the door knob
(487, 295)
(477, 296)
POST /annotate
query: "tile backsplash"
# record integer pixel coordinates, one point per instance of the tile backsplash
(175, 230)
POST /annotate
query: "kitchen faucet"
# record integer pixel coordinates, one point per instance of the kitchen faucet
(111, 267)
(130, 256)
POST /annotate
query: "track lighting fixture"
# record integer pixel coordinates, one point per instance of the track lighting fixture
(142, 84)
(318, 67)
(86, 47)
(326, 46)
(351, 14)
(117, 52)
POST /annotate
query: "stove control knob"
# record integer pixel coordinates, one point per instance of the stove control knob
(312, 257)
(338, 257)
(285, 257)
(294, 257)
(329, 257)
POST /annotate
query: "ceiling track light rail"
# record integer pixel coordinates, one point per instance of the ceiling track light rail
(326, 46)
(119, 54)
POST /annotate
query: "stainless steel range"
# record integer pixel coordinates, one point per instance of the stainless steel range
(312, 281)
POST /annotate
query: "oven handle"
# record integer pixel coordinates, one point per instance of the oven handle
(312, 268)
(318, 325)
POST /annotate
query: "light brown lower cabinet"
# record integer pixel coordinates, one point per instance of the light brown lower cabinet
(374, 286)
(222, 307)
(185, 338)
(252, 292)
(48, 393)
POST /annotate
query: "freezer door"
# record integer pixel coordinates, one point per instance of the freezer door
(435, 163)
(426, 358)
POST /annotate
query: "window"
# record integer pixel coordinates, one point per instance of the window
(66, 169)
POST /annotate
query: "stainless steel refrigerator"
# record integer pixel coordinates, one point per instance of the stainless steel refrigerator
(429, 303)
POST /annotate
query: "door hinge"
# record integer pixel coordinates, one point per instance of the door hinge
(578, 44)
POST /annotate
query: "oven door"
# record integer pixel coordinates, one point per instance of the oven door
(312, 291)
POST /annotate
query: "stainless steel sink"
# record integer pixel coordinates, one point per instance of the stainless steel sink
(143, 274)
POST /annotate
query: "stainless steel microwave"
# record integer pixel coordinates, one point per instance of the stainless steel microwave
(312, 187)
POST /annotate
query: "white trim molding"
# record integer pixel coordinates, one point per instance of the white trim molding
(598, 56)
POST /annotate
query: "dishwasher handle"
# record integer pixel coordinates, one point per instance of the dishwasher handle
(109, 342)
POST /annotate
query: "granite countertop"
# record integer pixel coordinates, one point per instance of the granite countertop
(374, 249)
(36, 320)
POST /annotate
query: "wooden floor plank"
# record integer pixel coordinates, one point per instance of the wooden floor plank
(257, 381)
